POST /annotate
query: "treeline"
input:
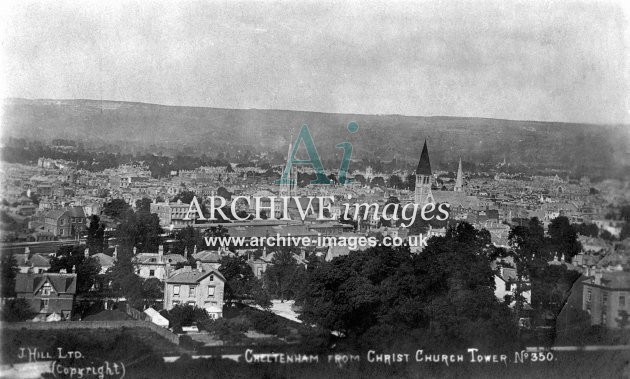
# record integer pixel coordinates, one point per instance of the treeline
(18, 150)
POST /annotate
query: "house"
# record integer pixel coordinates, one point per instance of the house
(65, 223)
(197, 287)
(506, 283)
(606, 296)
(51, 295)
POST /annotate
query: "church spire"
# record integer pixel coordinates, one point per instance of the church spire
(424, 166)
(459, 183)
(423, 194)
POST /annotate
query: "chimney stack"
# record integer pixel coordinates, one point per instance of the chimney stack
(115, 254)
(87, 252)
(199, 268)
(160, 253)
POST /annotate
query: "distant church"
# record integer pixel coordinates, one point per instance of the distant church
(424, 180)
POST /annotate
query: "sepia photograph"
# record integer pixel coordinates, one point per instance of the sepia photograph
(314, 189)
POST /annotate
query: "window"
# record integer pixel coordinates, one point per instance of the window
(46, 289)
(191, 291)
(60, 221)
(604, 298)
(588, 295)
(44, 304)
(151, 272)
(622, 301)
(191, 303)
(175, 302)
(175, 290)
(212, 277)
(210, 290)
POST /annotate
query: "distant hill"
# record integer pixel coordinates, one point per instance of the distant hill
(582, 147)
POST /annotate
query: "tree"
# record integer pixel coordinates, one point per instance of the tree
(395, 182)
(589, 230)
(116, 209)
(124, 280)
(185, 315)
(563, 238)
(185, 197)
(279, 276)
(241, 284)
(152, 290)
(95, 235)
(389, 297)
(143, 205)
(9, 272)
(15, 310)
(186, 240)
(141, 230)
(73, 258)
(411, 182)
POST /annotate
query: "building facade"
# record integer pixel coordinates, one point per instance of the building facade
(51, 295)
(196, 287)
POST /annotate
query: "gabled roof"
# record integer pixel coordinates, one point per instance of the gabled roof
(424, 166)
(31, 283)
(191, 276)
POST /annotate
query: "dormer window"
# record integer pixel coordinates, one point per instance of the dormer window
(46, 289)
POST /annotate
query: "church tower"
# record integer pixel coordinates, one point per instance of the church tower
(423, 193)
(459, 183)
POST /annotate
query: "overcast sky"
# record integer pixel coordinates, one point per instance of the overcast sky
(538, 61)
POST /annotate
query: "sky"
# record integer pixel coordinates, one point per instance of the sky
(531, 60)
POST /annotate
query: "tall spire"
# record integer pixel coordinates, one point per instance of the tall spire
(423, 194)
(459, 183)
(424, 166)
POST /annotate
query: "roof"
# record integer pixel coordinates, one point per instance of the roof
(174, 258)
(56, 214)
(612, 280)
(38, 261)
(207, 256)
(191, 276)
(424, 166)
(30, 283)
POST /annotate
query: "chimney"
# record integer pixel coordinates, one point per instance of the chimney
(160, 253)
(303, 254)
(63, 271)
(74, 269)
(186, 252)
(134, 251)
(115, 254)
(598, 277)
(199, 268)
(167, 269)
(87, 252)
(27, 251)
(195, 250)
